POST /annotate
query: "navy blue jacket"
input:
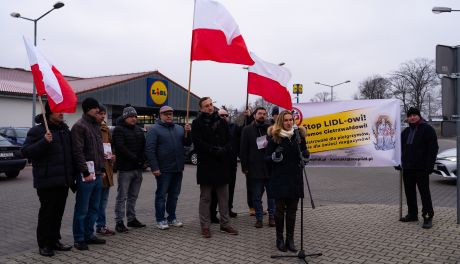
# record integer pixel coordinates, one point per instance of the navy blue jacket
(420, 149)
(52, 162)
(164, 147)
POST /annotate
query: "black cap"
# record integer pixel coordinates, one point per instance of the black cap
(413, 111)
(89, 103)
(275, 111)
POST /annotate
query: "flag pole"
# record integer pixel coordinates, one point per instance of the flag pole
(188, 93)
(400, 193)
(43, 113)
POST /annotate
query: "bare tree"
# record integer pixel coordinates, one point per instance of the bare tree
(321, 97)
(375, 87)
(400, 90)
(420, 77)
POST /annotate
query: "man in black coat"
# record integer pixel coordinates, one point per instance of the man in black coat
(212, 143)
(252, 152)
(129, 143)
(51, 155)
(419, 147)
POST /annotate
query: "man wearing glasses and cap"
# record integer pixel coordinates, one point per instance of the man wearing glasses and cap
(165, 152)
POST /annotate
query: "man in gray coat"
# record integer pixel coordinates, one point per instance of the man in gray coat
(165, 152)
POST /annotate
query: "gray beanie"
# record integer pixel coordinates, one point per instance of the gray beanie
(128, 112)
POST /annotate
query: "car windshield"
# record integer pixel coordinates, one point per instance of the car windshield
(4, 142)
(21, 132)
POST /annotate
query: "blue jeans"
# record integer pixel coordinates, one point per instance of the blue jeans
(101, 219)
(86, 208)
(168, 184)
(129, 185)
(258, 188)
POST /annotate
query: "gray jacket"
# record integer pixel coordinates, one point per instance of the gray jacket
(164, 147)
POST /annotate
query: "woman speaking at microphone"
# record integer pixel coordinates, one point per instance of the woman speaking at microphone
(286, 152)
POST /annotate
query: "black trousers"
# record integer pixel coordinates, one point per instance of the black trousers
(285, 208)
(419, 178)
(52, 205)
(231, 192)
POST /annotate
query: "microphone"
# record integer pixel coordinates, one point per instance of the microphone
(296, 133)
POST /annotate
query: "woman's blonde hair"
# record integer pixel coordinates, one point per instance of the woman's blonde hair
(278, 126)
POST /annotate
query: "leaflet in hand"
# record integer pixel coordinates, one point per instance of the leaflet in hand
(107, 150)
(90, 165)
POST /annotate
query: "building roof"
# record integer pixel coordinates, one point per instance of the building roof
(16, 81)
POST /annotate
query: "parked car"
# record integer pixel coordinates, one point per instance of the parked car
(11, 160)
(15, 135)
(446, 164)
(190, 155)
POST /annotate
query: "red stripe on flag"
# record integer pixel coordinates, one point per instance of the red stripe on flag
(69, 103)
(270, 90)
(211, 44)
(38, 79)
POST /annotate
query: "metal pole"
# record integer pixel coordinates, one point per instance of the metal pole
(458, 135)
(332, 92)
(34, 89)
(297, 96)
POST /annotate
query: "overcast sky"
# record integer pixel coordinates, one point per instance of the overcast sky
(329, 41)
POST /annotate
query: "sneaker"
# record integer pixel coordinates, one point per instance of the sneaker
(175, 223)
(135, 223)
(81, 245)
(121, 228)
(258, 224)
(105, 231)
(95, 240)
(162, 225)
(252, 212)
(229, 230)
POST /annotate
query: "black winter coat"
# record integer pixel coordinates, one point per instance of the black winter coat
(212, 143)
(421, 154)
(252, 158)
(129, 143)
(286, 177)
(52, 162)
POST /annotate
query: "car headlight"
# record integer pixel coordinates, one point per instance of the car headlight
(453, 159)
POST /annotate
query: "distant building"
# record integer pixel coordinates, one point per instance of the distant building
(146, 91)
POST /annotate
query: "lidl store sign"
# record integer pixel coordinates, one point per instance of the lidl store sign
(157, 92)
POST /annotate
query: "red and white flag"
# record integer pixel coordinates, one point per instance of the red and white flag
(269, 81)
(216, 35)
(48, 80)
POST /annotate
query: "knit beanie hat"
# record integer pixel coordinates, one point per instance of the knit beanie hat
(413, 111)
(89, 103)
(275, 111)
(129, 111)
(102, 109)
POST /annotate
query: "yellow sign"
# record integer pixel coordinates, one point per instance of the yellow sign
(159, 92)
(336, 131)
(297, 88)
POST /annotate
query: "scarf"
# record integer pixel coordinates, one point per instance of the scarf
(287, 134)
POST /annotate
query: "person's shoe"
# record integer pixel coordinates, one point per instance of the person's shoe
(232, 214)
(427, 222)
(95, 240)
(229, 230)
(290, 244)
(135, 223)
(409, 218)
(252, 212)
(214, 219)
(121, 228)
(205, 232)
(46, 251)
(280, 244)
(175, 223)
(105, 231)
(162, 225)
(271, 221)
(81, 245)
(258, 224)
(61, 247)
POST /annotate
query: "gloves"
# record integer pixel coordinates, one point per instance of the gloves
(277, 156)
(305, 161)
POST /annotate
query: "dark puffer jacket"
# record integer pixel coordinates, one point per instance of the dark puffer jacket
(286, 177)
(420, 154)
(51, 162)
(212, 143)
(129, 143)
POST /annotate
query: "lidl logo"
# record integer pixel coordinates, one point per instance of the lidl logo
(157, 92)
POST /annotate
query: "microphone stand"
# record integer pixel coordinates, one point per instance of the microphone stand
(301, 254)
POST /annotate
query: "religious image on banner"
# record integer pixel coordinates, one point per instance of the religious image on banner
(361, 133)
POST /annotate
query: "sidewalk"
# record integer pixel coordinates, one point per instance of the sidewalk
(343, 233)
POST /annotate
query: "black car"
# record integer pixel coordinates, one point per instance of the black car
(190, 155)
(15, 135)
(11, 160)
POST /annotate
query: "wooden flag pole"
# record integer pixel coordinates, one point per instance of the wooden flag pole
(188, 95)
(43, 113)
(400, 193)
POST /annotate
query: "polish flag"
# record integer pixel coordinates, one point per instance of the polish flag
(269, 81)
(216, 35)
(48, 80)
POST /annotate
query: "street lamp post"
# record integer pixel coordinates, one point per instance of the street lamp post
(57, 5)
(439, 10)
(332, 87)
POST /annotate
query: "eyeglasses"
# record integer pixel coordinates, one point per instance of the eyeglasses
(223, 115)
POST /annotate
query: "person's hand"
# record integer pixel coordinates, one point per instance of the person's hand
(90, 177)
(156, 173)
(187, 127)
(104, 175)
(48, 137)
(279, 149)
(114, 158)
(245, 172)
(247, 112)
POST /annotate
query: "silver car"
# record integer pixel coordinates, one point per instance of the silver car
(446, 164)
